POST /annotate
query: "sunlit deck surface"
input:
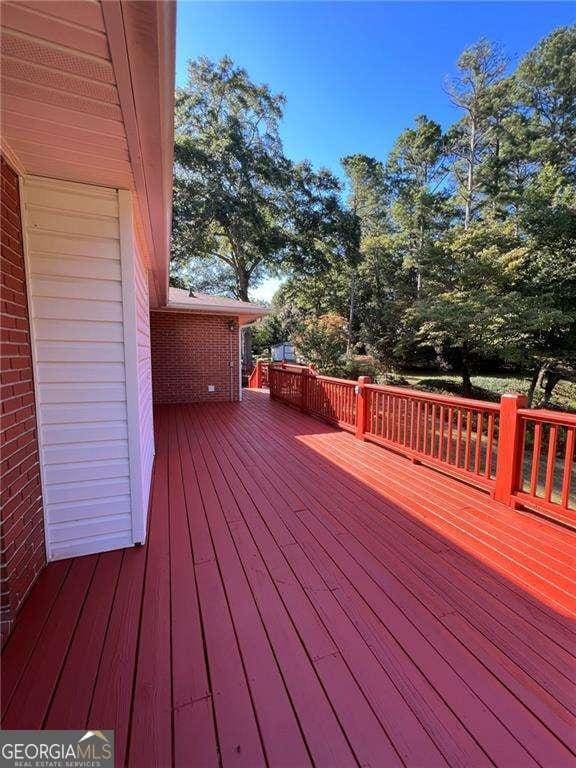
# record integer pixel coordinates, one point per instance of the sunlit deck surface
(306, 598)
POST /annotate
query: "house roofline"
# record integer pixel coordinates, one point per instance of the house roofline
(246, 315)
(141, 38)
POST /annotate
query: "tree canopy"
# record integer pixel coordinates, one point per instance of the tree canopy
(457, 249)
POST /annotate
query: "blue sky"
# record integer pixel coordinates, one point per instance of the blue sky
(356, 74)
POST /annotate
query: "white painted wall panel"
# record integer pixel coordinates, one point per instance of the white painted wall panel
(78, 318)
(144, 373)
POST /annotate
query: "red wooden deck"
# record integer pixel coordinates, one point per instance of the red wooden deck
(306, 598)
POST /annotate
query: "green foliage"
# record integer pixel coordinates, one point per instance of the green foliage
(546, 81)
(458, 250)
(266, 334)
(322, 342)
(241, 207)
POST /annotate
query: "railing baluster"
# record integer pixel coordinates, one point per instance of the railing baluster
(568, 465)
(449, 436)
(468, 439)
(536, 448)
(489, 446)
(478, 442)
(550, 461)
(458, 437)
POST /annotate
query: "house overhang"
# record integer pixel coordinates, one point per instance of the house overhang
(245, 316)
(88, 96)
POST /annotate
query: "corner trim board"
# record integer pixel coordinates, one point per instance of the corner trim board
(128, 270)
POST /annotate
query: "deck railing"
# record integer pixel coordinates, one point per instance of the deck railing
(523, 457)
(454, 433)
(258, 379)
(548, 442)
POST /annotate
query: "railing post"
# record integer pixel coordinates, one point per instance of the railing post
(510, 447)
(258, 377)
(361, 410)
(304, 374)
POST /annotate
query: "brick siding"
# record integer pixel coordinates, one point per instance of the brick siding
(22, 554)
(191, 352)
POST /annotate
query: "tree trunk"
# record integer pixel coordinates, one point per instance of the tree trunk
(351, 313)
(496, 191)
(470, 179)
(552, 378)
(466, 381)
(533, 384)
(243, 280)
(465, 372)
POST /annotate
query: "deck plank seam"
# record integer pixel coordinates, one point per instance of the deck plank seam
(492, 674)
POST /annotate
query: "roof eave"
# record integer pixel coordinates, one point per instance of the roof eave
(244, 315)
(141, 37)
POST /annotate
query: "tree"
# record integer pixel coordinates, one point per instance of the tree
(367, 192)
(322, 342)
(237, 199)
(416, 172)
(267, 333)
(385, 292)
(480, 67)
(547, 278)
(471, 306)
(546, 81)
(368, 212)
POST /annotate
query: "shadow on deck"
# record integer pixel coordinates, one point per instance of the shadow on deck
(306, 598)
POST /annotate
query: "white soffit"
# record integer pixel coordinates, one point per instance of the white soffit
(87, 96)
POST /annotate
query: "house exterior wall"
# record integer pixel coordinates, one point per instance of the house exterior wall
(191, 352)
(81, 289)
(22, 554)
(144, 373)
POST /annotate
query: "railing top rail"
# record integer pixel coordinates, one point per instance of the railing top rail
(454, 402)
(288, 366)
(348, 382)
(552, 417)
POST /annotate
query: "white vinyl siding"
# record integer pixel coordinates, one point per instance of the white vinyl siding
(79, 322)
(144, 371)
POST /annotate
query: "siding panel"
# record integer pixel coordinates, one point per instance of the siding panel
(77, 311)
(144, 366)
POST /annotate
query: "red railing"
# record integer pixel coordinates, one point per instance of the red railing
(522, 456)
(546, 473)
(458, 434)
(285, 382)
(331, 399)
(259, 376)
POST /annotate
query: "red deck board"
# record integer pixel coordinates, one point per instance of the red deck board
(112, 697)
(71, 703)
(36, 687)
(151, 726)
(484, 684)
(194, 727)
(304, 597)
(453, 516)
(459, 591)
(412, 741)
(398, 499)
(365, 733)
(31, 620)
(277, 722)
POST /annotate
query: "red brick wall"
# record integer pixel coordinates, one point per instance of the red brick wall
(22, 554)
(190, 352)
